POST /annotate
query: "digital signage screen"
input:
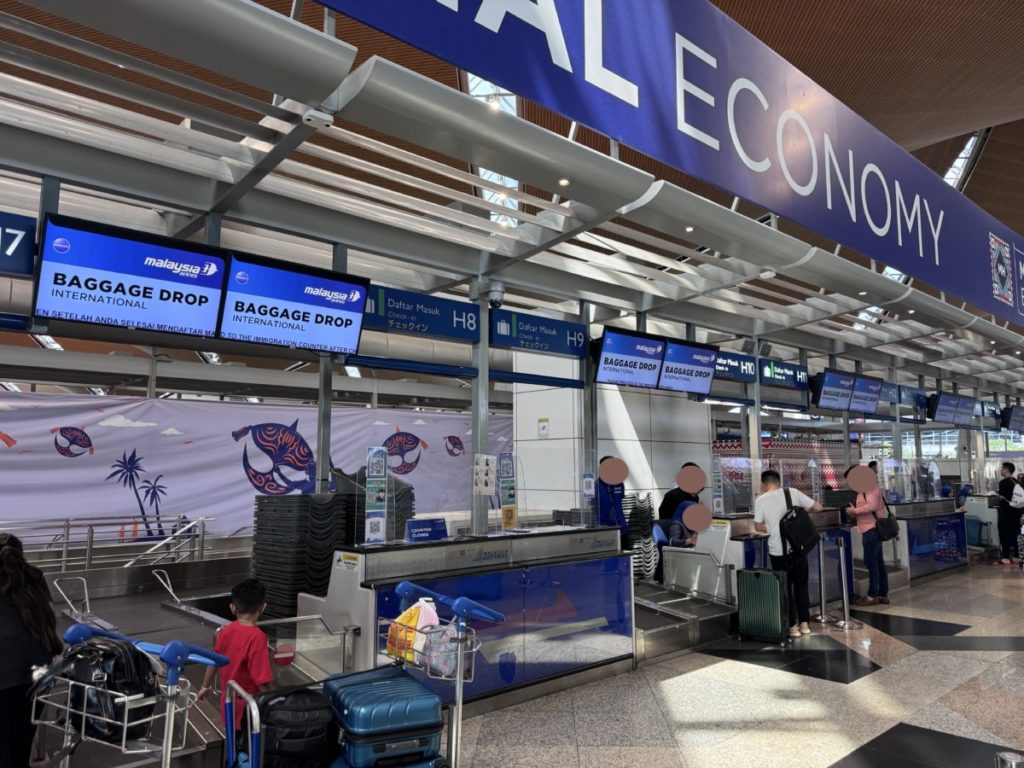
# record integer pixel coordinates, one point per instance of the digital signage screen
(914, 397)
(91, 273)
(965, 411)
(832, 390)
(271, 303)
(630, 359)
(866, 392)
(688, 368)
(1013, 418)
(942, 407)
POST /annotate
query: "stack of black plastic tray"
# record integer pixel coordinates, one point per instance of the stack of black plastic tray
(639, 512)
(401, 505)
(279, 550)
(326, 528)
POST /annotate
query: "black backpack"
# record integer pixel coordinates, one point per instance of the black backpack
(299, 729)
(104, 671)
(797, 528)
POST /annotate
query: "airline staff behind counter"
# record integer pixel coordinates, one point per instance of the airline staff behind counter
(609, 505)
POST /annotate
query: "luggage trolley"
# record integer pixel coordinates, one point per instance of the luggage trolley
(70, 706)
(445, 652)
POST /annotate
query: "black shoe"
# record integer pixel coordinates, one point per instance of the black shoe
(883, 600)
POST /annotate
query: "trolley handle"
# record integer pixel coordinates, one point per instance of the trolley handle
(462, 607)
(79, 633)
(176, 654)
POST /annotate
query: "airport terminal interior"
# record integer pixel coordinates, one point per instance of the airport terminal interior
(472, 383)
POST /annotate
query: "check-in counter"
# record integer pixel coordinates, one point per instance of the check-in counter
(986, 510)
(566, 593)
(749, 549)
(933, 536)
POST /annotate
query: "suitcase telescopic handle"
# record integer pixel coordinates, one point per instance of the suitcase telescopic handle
(462, 607)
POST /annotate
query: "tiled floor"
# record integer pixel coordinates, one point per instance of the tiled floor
(935, 679)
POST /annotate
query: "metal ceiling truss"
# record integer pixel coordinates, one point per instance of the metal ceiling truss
(615, 237)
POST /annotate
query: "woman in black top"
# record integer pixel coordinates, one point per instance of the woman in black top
(28, 637)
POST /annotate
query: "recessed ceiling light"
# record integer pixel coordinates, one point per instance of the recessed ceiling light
(911, 311)
(1017, 352)
(767, 274)
(991, 342)
(493, 103)
(689, 229)
(863, 293)
(563, 182)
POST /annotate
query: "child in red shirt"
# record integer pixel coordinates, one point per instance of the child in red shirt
(246, 647)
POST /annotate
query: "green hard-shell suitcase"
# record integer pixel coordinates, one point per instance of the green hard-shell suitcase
(763, 605)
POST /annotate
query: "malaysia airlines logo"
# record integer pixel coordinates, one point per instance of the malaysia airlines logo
(335, 297)
(181, 268)
(650, 349)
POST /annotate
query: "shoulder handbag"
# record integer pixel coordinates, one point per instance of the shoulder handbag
(1017, 499)
(888, 527)
(797, 528)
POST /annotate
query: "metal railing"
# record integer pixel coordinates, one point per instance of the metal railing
(86, 543)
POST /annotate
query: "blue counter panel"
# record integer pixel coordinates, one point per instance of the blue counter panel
(936, 544)
(559, 618)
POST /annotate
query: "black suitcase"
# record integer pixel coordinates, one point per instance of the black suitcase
(299, 729)
(763, 605)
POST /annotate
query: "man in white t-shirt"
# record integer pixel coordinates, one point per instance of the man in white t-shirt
(769, 509)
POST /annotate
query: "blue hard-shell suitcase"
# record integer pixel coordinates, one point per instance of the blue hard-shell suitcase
(433, 762)
(387, 717)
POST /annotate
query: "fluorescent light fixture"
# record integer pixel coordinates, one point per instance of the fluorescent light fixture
(253, 400)
(353, 371)
(911, 311)
(689, 229)
(210, 357)
(563, 182)
(10, 386)
(47, 342)
(862, 293)
(98, 391)
(992, 342)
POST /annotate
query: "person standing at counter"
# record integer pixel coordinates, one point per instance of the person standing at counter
(866, 510)
(1009, 516)
(769, 509)
(609, 505)
(675, 497)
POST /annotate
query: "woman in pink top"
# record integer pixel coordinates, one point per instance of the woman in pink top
(867, 509)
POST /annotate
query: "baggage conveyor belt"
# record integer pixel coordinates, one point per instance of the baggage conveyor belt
(669, 620)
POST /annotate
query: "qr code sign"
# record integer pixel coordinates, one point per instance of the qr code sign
(376, 526)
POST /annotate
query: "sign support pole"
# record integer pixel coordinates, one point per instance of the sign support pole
(588, 394)
(323, 423)
(480, 407)
(754, 435)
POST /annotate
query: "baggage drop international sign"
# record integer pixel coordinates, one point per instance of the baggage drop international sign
(681, 81)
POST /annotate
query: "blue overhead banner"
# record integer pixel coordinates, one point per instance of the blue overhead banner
(732, 367)
(17, 243)
(515, 330)
(388, 309)
(776, 373)
(681, 81)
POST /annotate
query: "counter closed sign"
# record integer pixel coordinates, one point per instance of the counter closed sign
(92, 277)
(516, 330)
(273, 305)
(388, 309)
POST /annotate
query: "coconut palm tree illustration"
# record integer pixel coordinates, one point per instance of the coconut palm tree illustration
(126, 471)
(152, 491)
